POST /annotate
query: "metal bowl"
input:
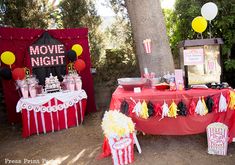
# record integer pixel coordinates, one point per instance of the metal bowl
(131, 83)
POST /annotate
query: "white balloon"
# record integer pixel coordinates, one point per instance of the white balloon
(209, 11)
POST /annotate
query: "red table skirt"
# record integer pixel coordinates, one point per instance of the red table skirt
(190, 124)
(44, 122)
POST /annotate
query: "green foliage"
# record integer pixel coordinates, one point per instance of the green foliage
(82, 13)
(24, 13)
(230, 64)
(116, 64)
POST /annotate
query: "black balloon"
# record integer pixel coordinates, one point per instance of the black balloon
(72, 55)
(5, 73)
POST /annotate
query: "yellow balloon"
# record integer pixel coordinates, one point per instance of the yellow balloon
(8, 57)
(199, 24)
(78, 49)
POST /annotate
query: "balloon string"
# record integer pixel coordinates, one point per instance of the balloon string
(201, 35)
(210, 28)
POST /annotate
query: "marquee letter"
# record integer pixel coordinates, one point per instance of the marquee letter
(60, 49)
(54, 60)
(45, 49)
(51, 48)
(35, 61)
(46, 61)
(61, 59)
(33, 50)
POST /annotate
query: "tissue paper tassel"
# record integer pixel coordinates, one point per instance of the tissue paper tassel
(137, 109)
(222, 104)
(144, 110)
(165, 110)
(192, 107)
(200, 108)
(151, 111)
(172, 110)
(158, 110)
(182, 109)
(204, 106)
(216, 104)
(232, 100)
(209, 104)
(124, 107)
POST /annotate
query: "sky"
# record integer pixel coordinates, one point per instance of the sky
(106, 11)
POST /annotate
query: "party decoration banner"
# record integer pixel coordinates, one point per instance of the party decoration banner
(46, 54)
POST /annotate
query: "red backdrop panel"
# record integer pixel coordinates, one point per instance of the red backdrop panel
(18, 40)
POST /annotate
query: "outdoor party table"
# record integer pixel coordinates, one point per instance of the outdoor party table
(181, 125)
(52, 112)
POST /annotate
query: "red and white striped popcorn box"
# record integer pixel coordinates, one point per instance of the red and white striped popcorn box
(122, 149)
(217, 138)
(147, 46)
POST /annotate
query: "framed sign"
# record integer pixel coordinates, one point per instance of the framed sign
(193, 56)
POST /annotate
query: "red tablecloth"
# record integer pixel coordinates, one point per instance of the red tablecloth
(52, 112)
(191, 124)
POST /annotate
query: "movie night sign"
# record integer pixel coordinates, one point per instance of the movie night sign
(47, 55)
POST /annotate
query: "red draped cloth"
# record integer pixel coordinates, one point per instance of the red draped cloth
(191, 124)
(18, 40)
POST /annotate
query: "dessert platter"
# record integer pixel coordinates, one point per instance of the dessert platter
(52, 84)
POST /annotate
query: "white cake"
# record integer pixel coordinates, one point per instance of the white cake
(52, 84)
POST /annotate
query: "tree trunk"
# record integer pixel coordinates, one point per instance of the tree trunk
(147, 22)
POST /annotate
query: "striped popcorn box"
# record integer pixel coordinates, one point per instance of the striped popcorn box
(217, 138)
(147, 46)
(122, 149)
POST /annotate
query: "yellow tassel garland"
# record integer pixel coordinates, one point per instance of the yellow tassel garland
(204, 106)
(144, 110)
(173, 110)
(232, 100)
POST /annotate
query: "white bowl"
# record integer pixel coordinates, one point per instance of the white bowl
(131, 83)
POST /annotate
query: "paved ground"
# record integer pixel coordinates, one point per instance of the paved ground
(81, 145)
